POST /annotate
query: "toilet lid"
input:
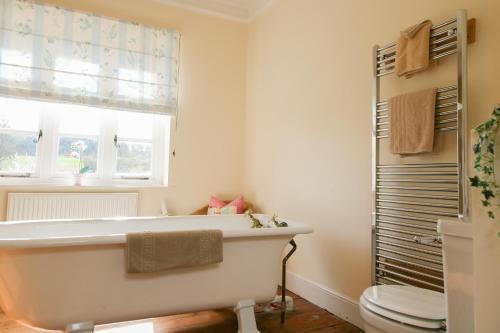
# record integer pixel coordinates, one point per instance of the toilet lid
(407, 304)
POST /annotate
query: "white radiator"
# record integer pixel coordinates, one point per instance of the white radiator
(45, 206)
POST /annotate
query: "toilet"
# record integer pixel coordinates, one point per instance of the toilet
(402, 309)
(408, 309)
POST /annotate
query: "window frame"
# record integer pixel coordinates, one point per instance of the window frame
(36, 172)
(47, 152)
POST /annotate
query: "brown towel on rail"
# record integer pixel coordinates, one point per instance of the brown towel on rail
(153, 252)
(411, 122)
(412, 50)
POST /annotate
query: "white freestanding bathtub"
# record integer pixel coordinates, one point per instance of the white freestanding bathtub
(55, 273)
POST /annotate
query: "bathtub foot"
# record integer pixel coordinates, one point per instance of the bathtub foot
(246, 316)
(84, 327)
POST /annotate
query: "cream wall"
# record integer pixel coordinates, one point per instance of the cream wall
(308, 119)
(210, 135)
(302, 71)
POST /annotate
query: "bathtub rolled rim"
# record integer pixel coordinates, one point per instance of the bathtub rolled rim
(293, 229)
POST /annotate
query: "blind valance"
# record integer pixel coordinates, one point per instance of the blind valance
(48, 52)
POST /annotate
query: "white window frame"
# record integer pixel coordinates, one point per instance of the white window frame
(13, 174)
(48, 148)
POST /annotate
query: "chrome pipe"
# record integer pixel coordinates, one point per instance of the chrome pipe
(409, 240)
(387, 60)
(462, 134)
(406, 232)
(418, 188)
(426, 212)
(410, 278)
(438, 114)
(413, 256)
(437, 122)
(442, 55)
(448, 88)
(374, 157)
(419, 196)
(421, 173)
(414, 180)
(423, 165)
(409, 270)
(444, 23)
(390, 69)
(393, 281)
(385, 73)
(406, 247)
(409, 225)
(438, 106)
(440, 98)
(443, 129)
(391, 58)
(437, 270)
(410, 217)
(443, 39)
(449, 31)
(445, 113)
(446, 121)
(443, 47)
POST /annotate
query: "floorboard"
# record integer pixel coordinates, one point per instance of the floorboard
(306, 317)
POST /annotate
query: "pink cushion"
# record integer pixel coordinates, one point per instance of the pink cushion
(216, 202)
(239, 203)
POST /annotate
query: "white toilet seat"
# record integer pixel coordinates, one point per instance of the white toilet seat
(409, 305)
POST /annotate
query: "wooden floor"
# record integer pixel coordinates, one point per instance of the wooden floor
(305, 318)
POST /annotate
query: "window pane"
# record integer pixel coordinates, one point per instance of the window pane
(134, 158)
(135, 126)
(17, 152)
(76, 153)
(18, 114)
(79, 120)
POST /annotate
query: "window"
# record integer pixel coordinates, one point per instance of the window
(60, 85)
(48, 143)
(18, 140)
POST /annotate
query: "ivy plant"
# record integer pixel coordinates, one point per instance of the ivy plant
(484, 164)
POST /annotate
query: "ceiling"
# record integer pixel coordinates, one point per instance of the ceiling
(239, 10)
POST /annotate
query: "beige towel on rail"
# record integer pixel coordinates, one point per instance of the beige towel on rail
(411, 122)
(153, 252)
(412, 50)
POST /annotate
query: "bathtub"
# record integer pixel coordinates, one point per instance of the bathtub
(60, 272)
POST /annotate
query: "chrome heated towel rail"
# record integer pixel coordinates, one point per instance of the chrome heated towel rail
(408, 199)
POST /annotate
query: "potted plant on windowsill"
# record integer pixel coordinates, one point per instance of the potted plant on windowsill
(77, 149)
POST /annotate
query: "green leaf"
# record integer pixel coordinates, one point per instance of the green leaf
(488, 194)
(85, 169)
(491, 215)
(491, 148)
(476, 148)
(474, 181)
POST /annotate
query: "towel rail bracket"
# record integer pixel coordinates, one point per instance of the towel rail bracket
(471, 31)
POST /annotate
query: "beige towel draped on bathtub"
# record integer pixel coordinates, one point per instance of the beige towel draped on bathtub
(412, 51)
(411, 122)
(153, 252)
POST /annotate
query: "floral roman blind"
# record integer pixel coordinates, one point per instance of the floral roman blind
(48, 52)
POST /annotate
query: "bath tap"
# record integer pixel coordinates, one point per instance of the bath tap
(278, 224)
(255, 222)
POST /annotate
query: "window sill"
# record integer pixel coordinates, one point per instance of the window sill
(86, 183)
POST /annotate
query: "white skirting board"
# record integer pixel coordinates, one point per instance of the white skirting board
(342, 306)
